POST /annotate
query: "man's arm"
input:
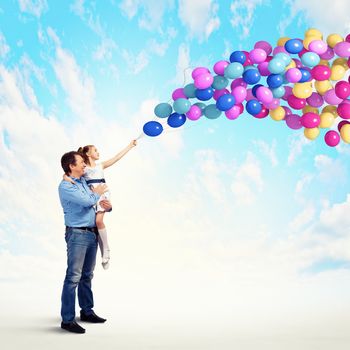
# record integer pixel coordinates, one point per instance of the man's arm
(77, 195)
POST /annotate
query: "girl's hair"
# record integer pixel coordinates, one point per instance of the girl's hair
(83, 152)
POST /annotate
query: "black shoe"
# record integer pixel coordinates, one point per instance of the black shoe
(72, 327)
(92, 318)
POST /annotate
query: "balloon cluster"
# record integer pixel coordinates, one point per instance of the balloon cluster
(307, 76)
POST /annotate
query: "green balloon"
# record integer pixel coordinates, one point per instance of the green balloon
(190, 91)
(182, 105)
(201, 105)
(163, 110)
(211, 112)
(219, 82)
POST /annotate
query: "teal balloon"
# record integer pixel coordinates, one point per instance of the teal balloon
(219, 82)
(190, 91)
(284, 57)
(201, 105)
(276, 66)
(234, 70)
(211, 112)
(163, 110)
(278, 92)
(249, 67)
(182, 105)
(310, 59)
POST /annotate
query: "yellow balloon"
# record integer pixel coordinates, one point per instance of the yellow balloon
(341, 62)
(312, 133)
(302, 90)
(314, 32)
(337, 72)
(330, 109)
(282, 41)
(334, 39)
(345, 133)
(324, 63)
(309, 108)
(277, 113)
(322, 86)
(327, 120)
(291, 65)
(308, 40)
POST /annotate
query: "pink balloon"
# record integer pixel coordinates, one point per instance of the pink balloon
(219, 67)
(257, 55)
(250, 95)
(194, 113)
(273, 104)
(198, 71)
(342, 49)
(178, 93)
(233, 113)
(238, 82)
(263, 69)
(321, 72)
(344, 110)
(315, 100)
(219, 93)
(310, 120)
(328, 55)
(293, 121)
(279, 49)
(331, 98)
(332, 138)
(287, 92)
(295, 102)
(203, 81)
(293, 75)
(263, 45)
(239, 93)
(342, 89)
(264, 95)
(318, 46)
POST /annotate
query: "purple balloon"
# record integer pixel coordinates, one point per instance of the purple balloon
(263, 45)
(263, 68)
(342, 49)
(293, 121)
(194, 113)
(331, 98)
(219, 93)
(315, 100)
(178, 93)
(328, 55)
(238, 82)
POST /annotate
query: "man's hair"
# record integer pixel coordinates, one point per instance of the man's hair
(69, 159)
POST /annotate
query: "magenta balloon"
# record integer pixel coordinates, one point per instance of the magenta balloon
(257, 55)
(342, 49)
(250, 95)
(219, 93)
(273, 104)
(347, 38)
(233, 113)
(203, 81)
(328, 55)
(264, 95)
(194, 113)
(279, 49)
(342, 89)
(344, 110)
(293, 75)
(295, 102)
(178, 93)
(262, 114)
(263, 69)
(287, 110)
(298, 63)
(263, 45)
(321, 72)
(310, 120)
(219, 67)
(198, 71)
(301, 53)
(239, 93)
(293, 121)
(331, 98)
(238, 82)
(332, 138)
(318, 46)
(343, 122)
(287, 92)
(315, 100)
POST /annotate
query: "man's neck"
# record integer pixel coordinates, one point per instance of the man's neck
(75, 175)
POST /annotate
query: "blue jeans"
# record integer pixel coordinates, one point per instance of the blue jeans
(81, 260)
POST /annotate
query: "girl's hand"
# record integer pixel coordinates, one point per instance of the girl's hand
(67, 178)
(133, 143)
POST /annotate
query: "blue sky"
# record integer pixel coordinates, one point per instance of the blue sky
(245, 197)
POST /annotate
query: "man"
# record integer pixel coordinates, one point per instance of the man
(78, 202)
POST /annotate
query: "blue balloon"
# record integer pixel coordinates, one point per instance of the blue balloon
(234, 70)
(211, 112)
(310, 59)
(238, 56)
(190, 91)
(219, 82)
(294, 46)
(251, 76)
(175, 120)
(204, 94)
(255, 87)
(274, 80)
(163, 110)
(225, 102)
(253, 107)
(305, 75)
(152, 128)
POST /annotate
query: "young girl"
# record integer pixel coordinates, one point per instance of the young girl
(94, 175)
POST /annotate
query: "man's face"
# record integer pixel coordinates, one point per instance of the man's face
(78, 169)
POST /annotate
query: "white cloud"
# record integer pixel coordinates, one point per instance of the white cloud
(78, 7)
(200, 17)
(4, 48)
(303, 218)
(243, 15)
(34, 7)
(268, 150)
(296, 145)
(183, 71)
(104, 50)
(330, 169)
(136, 63)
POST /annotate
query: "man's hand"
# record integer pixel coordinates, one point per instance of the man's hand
(100, 189)
(106, 204)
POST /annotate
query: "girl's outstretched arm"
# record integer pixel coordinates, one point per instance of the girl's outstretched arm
(119, 155)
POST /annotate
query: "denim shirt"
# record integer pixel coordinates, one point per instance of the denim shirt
(78, 202)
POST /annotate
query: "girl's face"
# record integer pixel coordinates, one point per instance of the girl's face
(93, 153)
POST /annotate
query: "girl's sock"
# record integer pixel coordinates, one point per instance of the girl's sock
(104, 247)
